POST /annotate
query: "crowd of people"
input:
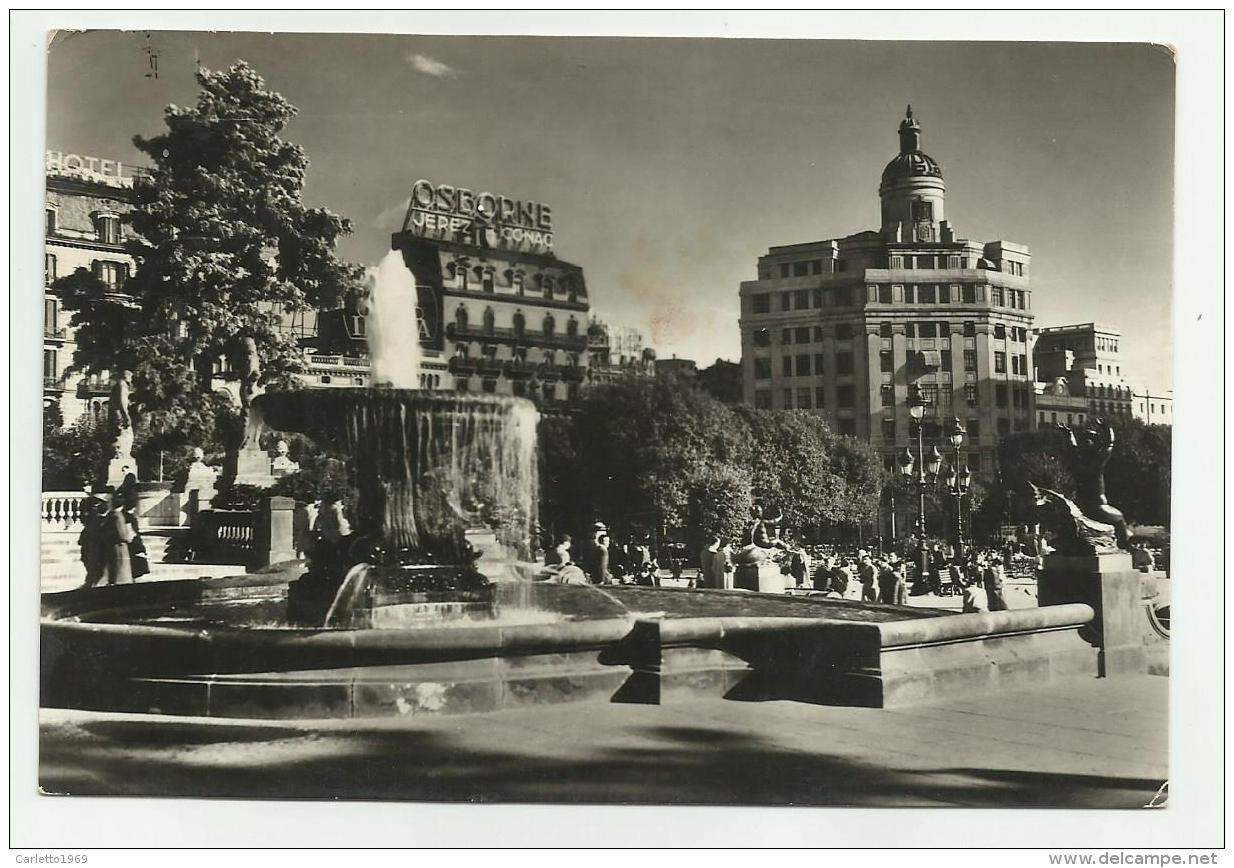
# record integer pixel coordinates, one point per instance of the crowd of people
(112, 550)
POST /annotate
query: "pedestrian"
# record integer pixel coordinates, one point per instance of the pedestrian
(117, 534)
(302, 520)
(868, 573)
(602, 575)
(887, 580)
(992, 579)
(91, 541)
(975, 598)
(722, 566)
(901, 584)
(139, 560)
(705, 558)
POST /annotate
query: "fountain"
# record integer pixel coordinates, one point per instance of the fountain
(430, 468)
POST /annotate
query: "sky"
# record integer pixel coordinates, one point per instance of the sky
(671, 165)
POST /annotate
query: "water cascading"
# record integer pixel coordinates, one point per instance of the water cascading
(428, 467)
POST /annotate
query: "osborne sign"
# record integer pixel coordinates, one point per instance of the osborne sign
(444, 212)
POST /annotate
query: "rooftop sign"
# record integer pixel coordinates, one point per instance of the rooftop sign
(97, 169)
(447, 213)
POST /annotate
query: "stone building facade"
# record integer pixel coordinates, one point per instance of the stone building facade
(848, 328)
(83, 228)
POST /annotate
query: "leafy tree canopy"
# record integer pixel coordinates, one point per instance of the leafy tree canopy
(224, 246)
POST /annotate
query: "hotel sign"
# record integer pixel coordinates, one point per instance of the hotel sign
(447, 213)
(91, 168)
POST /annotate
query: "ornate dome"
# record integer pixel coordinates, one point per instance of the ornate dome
(913, 164)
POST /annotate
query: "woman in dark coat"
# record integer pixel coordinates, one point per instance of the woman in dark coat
(117, 534)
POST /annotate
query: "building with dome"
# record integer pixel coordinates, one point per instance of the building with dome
(851, 327)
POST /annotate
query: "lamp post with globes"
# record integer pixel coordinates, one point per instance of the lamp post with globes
(956, 483)
(926, 467)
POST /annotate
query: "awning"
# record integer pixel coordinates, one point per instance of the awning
(931, 359)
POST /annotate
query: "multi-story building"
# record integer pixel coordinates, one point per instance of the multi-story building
(851, 327)
(494, 299)
(1153, 408)
(682, 370)
(722, 381)
(86, 198)
(616, 352)
(1086, 354)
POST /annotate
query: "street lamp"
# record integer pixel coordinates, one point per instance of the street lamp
(927, 472)
(957, 483)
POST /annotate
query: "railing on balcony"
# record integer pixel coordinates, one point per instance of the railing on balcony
(501, 334)
(55, 334)
(62, 510)
(93, 386)
(53, 384)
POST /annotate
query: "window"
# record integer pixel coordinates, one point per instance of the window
(845, 396)
(572, 327)
(486, 280)
(970, 394)
(844, 332)
(462, 383)
(786, 269)
(516, 281)
(520, 323)
(910, 330)
(107, 228)
(488, 385)
(889, 429)
(970, 330)
(884, 330)
(884, 294)
(803, 365)
(801, 269)
(801, 299)
(111, 274)
(974, 429)
(888, 395)
(49, 366)
(970, 360)
(788, 399)
(944, 396)
(818, 364)
(945, 359)
(50, 316)
(550, 326)
(1000, 331)
(926, 294)
(50, 215)
(996, 296)
(548, 286)
(762, 399)
(519, 388)
(490, 321)
(786, 366)
(944, 330)
(802, 335)
(1017, 398)
(760, 303)
(820, 395)
(818, 334)
(49, 268)
(461, 350)
(761, 338)
(518, 354)
(844, 363)
(786, 336)
(816, 266)
(968, 294)
(886, 362)
(803, 399)
(1000, 363)
(926, 329)
(1000, 394)
(816, 298)
(1024, 364)
(929, 394)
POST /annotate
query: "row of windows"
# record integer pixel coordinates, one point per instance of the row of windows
(521, 388)
(519, 354)
(482, 277)
(925, 293)
(548, 325)
(806, 398)
(106, 226)
(803, 365)
(112, 274)
(1076, 418)
(846, 331)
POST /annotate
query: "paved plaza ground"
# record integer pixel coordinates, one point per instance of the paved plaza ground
(1082, 743)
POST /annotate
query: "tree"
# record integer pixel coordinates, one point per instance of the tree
(72, 456)
(224, 247)
(719, 504)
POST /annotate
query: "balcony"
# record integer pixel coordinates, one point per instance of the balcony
(88, 387)
(504, 335)
(50, 333)
(53, 384)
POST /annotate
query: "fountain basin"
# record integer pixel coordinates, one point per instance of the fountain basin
(215, 647)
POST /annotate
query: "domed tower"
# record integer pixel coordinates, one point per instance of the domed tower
(912, 189)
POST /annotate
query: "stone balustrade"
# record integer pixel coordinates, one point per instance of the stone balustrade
(62, 510)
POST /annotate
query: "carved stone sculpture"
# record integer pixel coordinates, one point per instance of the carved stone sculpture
(1074, 533)
(1090, 451)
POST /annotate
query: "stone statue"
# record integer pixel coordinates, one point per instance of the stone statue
(1074, 532)
(250, 373)
(759, 538)
(118, 415)
(1090, 451)
(282, 463)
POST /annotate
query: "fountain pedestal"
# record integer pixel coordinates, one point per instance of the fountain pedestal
(1109, 584)
(765, 578)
